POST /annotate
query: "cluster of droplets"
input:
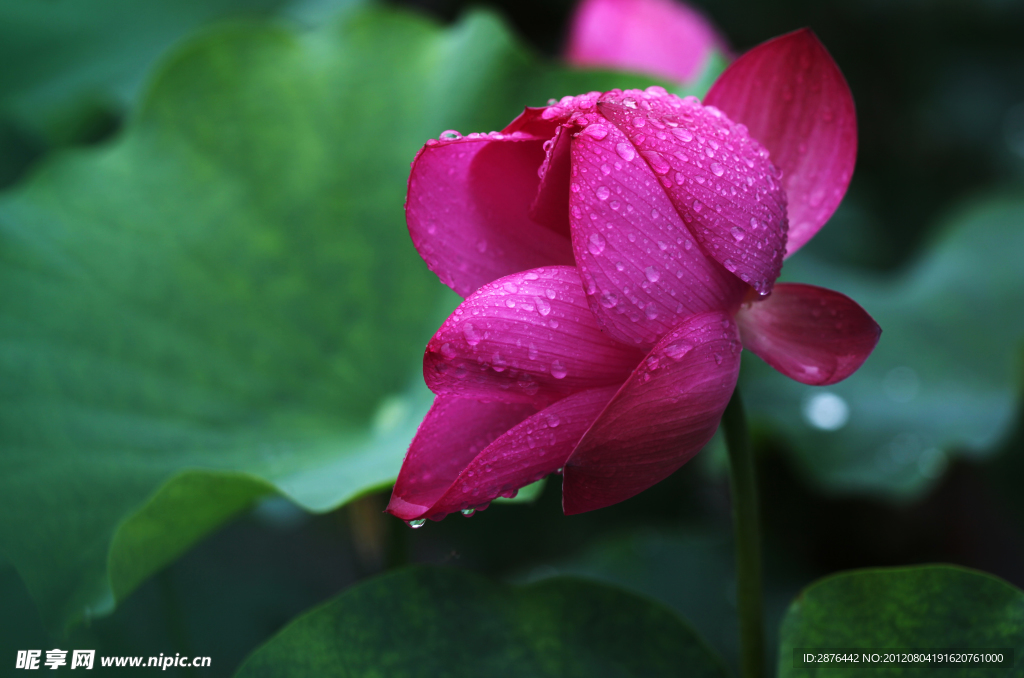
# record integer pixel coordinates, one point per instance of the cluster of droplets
(469, 354)
(632, 224)
(720, 180)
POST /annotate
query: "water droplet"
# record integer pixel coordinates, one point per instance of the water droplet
(625, 151)
(619, 266)
(510, 287)
(683, 135)
(651, 312)
(678, 349)
(553, 421)
(662, 245)
(654, 214)
(688, 245)
(602, 193)
(596, 244)
(417, 524)
(609, 299)
(737, 233)
(656, 161)
(558, 370)
(717, 169)
(730, 265)
(698, 206)
(605, 169)
(596, 131)
(543, 307)
(718, 358)
(472, 336)
(549, 293)
(531, 352)
(467, 512)
(448, 135)
(652, 274)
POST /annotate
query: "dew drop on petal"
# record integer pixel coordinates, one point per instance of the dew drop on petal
(558, 370)
(417, 524)
(470, 333)
(602, 193)
(596, 244)
(652, 274)
(625, 151)
(656, 161)
(683, 135)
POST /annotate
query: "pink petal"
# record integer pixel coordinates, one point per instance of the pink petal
(527, 337)
(660, 37)
(665, 413)
(719, 179)
(792, 97)
(551, 206)
(810, 334)
(454, 431)
(641, 266)
(468, 210)
(526, 453)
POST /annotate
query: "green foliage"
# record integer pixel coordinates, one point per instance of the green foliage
(450, 623)
(224, 303)
(930, 607)
(945, 378)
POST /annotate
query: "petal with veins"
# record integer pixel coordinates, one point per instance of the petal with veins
(793, 98)
(468, 210)
(526, 453)
(810, 334)
(452, 434)
(528, 337)
(662, 416)
(641, 266)
(718, 178)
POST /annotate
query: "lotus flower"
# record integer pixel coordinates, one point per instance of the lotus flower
(661, 37)
(616, 251)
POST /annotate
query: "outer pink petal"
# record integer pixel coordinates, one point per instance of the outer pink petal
(810, 334)
(526, 453)
(468, 210)
(659, 37)
(641, 266)
(665, 413)
(718, 178)
(527, 337)
(792, 97)
(454, 431)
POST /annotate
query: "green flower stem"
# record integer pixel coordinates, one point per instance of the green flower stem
(748, 539)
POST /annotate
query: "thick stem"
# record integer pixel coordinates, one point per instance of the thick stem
(748, 539)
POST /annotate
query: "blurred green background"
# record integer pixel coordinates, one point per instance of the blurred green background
(229, 388)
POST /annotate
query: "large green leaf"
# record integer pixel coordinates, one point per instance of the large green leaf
(64, 57)
(224, 302)
(945, 378)
(692, 571)
(937, 608)
(451, 623)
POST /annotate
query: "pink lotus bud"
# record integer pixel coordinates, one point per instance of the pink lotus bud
(661, 37)
(616, 251)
